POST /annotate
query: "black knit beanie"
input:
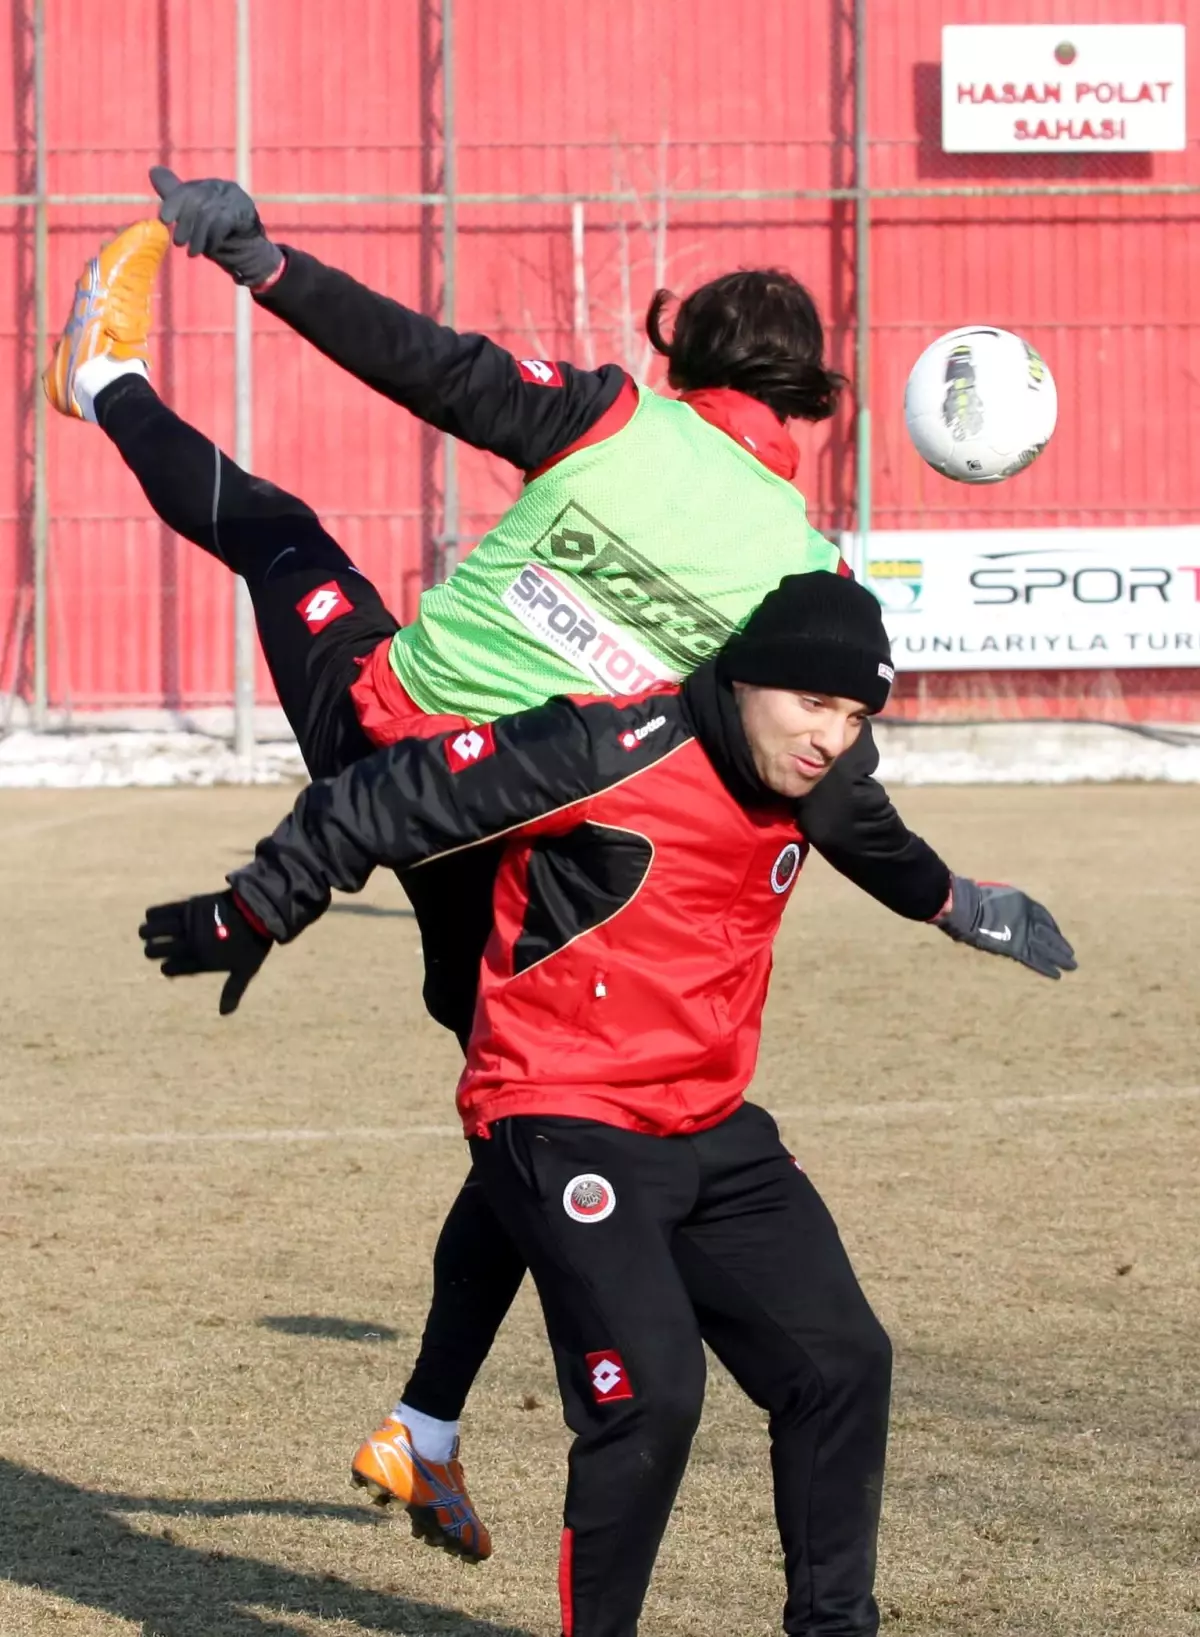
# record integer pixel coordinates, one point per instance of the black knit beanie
(820, 632)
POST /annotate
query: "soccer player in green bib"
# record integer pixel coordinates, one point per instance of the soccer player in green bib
(647, 529)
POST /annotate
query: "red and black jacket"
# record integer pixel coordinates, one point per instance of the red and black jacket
(643, 874)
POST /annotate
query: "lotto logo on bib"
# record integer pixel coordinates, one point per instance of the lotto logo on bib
(608, 1376)
(589, 1198)
(470, 746)
(321, 607)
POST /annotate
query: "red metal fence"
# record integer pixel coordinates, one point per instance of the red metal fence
(624, 113)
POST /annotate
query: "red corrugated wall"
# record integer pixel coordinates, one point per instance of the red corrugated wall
(562, 98)
(1102, 285)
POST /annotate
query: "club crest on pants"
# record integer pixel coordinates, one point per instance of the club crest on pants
(589, 1198)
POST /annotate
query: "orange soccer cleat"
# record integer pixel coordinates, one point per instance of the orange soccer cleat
(432, 1492)
(110, 316)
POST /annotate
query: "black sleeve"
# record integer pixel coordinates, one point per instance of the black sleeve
(850, 820)
(425, 798)
(462, 384)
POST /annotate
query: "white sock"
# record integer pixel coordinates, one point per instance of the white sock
(433, 1439)
(97, 373)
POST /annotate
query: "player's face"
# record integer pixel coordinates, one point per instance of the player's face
(795, 738)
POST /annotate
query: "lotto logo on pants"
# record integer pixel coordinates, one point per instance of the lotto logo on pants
(607, 1375)
(321, 607)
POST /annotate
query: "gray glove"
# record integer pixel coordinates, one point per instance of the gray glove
(218, 220)
(1005, 921)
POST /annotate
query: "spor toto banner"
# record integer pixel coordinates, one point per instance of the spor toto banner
(1034, 599)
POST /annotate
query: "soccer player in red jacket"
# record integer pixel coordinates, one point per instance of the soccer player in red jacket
(649, 849)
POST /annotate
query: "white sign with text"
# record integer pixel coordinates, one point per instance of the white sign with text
(1037, 599)
(1051, 88)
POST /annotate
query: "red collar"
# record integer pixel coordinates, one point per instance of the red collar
(750, 423)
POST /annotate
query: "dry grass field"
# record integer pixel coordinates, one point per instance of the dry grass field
(215, 1238)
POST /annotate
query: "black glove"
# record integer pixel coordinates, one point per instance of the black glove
(218, 220)
(206, 934)
(1005, 921)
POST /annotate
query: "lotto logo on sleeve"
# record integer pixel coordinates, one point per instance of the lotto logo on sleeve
(321, 607)
(608, 1376)
(539, 372)
(470, 746)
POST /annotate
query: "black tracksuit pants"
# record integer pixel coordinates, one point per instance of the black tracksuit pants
(643, 1247)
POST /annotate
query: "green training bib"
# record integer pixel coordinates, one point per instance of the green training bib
(626, 563)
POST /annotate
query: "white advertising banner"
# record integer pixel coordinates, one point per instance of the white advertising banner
(1058, 88)
(1037, 599)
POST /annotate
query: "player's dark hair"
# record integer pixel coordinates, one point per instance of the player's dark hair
(758, 331)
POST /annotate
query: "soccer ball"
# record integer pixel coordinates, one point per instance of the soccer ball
(980, 405)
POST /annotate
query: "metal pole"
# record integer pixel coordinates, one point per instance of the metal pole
(41, 324)
(862, 291)
(1099, 189)
(243, 402)
(450, 535)
(582, 325)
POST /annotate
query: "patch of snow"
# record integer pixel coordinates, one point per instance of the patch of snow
(98, 760)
